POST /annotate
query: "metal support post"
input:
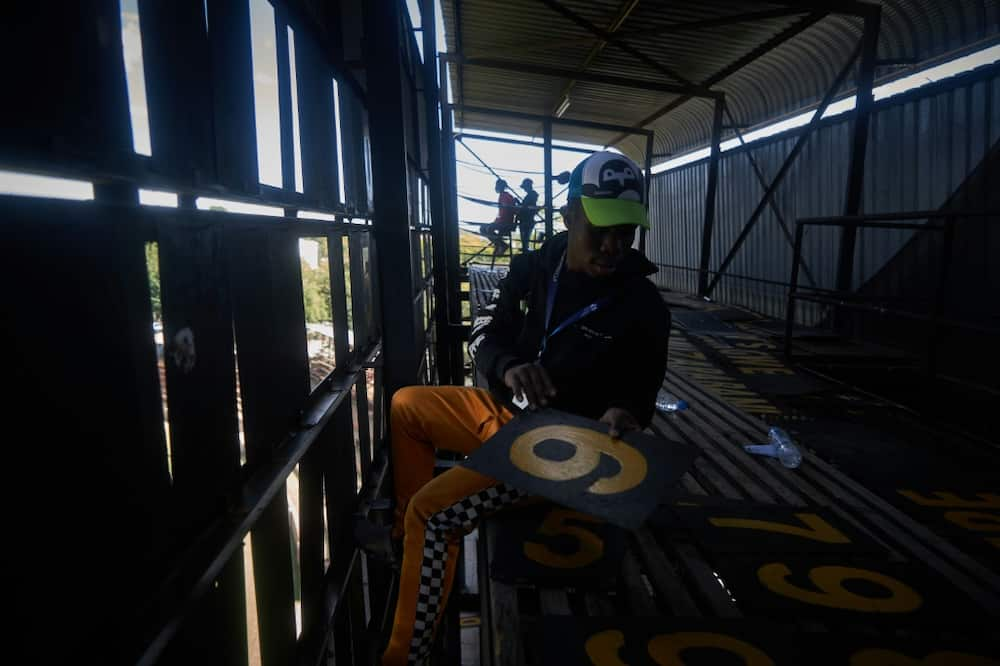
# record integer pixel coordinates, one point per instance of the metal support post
(783, 171)
(547, 132)
(710, 192)
(793, 283)
(648, 166)
(450, 187)
(859, 146)
(389, 182)
(436, 193)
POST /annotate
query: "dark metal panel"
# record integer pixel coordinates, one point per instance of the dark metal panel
(389, 174)
(274, 381)
(204, 443)
(917, 146)
(178, 89)
(85, 422)
(316, 123)
(65, 99)
(232, 95)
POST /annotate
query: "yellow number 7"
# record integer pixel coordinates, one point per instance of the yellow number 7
(816, 528)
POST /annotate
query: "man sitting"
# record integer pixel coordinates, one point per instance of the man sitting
(592, 342)
(503, 224)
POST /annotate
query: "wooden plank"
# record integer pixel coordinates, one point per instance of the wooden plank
(889, 520)
(178, 89)
(232, 95)
(554, 601)
(662, 575)
(671, 427)
(639, 600)
(205, 448)
(504, 618)
(707, 582)
(269, 321)
(726, 441)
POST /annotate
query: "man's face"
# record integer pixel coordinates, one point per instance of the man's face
(596, 251)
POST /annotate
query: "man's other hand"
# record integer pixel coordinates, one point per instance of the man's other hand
(620, 421)
(532, 381)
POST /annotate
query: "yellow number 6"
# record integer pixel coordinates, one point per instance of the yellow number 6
(588, 446)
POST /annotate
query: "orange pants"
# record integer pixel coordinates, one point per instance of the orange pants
(432, 514)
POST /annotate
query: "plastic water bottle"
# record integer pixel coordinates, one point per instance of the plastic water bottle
(781, 447)
(668, 402)
(788, 453)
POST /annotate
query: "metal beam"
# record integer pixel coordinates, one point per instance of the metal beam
(623, 12)
(783, 171)
(616, 40)
(782, 37)
(684, 26)
(389, 182)
(547, 132)
(710, 192)
(460, 73)
(517, 142)
(759, 173)
(558, 72)
(432, 93)
(859, 146)
(519, 115)
(648, 168)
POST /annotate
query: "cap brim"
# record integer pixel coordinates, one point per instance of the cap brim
(614, 212)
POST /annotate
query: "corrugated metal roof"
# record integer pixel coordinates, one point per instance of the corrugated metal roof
(788, 78)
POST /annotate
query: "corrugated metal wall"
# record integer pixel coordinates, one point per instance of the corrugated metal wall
(920, 150)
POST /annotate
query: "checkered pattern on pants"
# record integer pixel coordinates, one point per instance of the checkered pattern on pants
(460, 517)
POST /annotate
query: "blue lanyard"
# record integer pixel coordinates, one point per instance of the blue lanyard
(586, 311)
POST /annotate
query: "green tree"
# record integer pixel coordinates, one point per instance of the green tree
(153, 269)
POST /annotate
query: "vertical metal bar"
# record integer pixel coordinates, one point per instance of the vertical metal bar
(793, 283)
(859, 146)
(648, 166)
(448, 166)
(786, 165)
(389, 174)
(710, 192)
(547, 131)
(435, 192)
(285, 109)
(941, 295)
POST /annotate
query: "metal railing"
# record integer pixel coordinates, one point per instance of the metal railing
(939, 222)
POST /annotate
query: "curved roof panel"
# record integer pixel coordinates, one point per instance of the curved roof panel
(800, 47)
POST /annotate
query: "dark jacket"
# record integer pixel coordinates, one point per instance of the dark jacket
(615, 357)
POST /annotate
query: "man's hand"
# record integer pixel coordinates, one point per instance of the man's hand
(620, 420)
(532, 381)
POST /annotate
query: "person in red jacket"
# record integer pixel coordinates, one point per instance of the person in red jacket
(591, 312)
(504, 222)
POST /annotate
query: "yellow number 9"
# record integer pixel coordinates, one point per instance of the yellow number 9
(588, 446)
(830, 579)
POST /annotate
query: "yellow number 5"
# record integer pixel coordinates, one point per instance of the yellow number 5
(829, 580)
(588, 446)
(589, 550)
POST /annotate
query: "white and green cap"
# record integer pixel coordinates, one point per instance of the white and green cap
(610, 188)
